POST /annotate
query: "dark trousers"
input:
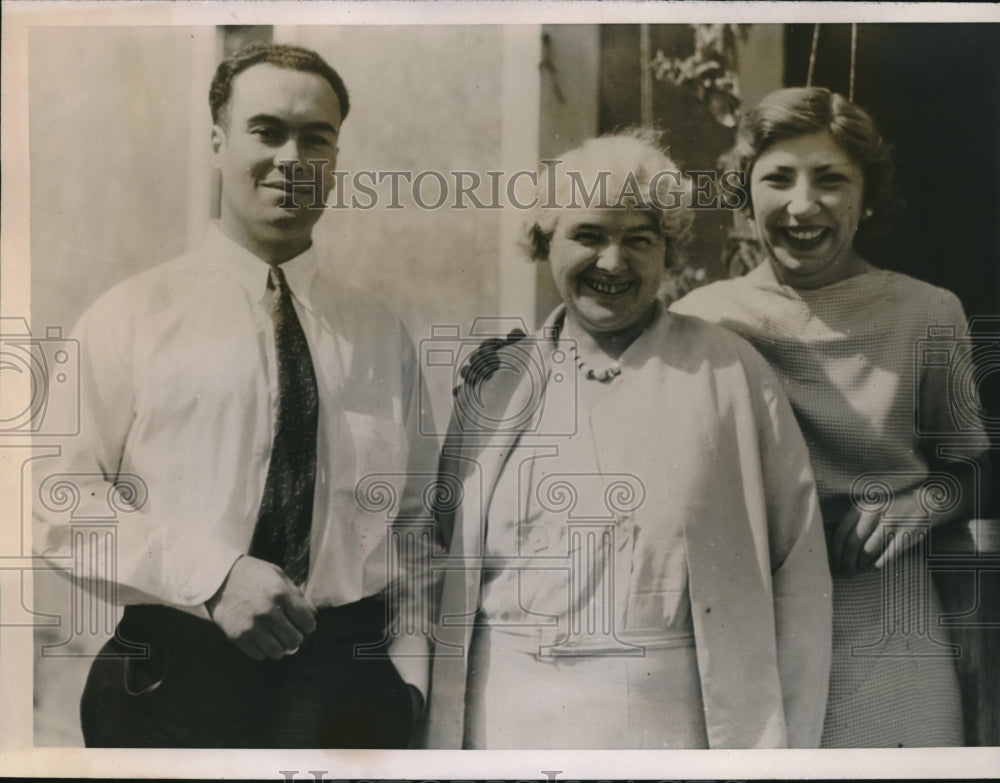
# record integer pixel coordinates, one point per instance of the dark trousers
(196, 689)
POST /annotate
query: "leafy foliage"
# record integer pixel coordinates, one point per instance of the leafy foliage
(710, 71)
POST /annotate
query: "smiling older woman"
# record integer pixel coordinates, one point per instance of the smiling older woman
(842, 336)
(636, 559)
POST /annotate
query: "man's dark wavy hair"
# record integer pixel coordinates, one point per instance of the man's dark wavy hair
(295, 58)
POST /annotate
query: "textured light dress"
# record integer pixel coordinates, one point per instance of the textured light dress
(576, 587)
(847, 355)
(676, 498)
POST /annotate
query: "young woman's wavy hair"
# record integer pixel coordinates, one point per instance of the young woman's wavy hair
(801, 111)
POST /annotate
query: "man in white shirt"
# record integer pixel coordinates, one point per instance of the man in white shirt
(248, 404)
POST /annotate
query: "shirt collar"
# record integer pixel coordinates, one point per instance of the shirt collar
(252, 273)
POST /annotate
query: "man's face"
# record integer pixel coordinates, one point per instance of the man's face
(274, 115)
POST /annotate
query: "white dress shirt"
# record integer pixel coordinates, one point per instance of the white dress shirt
(179, 388)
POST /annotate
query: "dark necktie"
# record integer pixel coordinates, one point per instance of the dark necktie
(282, 532)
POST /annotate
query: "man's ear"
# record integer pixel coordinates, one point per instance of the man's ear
(218, 144)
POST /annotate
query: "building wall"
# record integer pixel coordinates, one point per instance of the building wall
(414, 110)
(110, 123)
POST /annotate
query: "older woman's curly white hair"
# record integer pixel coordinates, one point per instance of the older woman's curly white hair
(630, 169)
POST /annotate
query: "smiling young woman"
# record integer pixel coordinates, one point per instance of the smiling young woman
(807, 193)
(842, 337)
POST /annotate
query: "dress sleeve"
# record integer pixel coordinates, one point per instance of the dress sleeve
(948, 403)
(800, 573)
(701, 303)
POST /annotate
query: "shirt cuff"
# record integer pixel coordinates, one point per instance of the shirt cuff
(202, 567)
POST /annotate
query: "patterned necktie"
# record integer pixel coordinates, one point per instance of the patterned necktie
(282, 532)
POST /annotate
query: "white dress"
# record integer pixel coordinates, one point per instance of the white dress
(674, 501)
(585, 610)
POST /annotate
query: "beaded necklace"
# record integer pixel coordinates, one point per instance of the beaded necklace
(609, 373)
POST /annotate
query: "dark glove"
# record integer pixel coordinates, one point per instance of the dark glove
(484, 362)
